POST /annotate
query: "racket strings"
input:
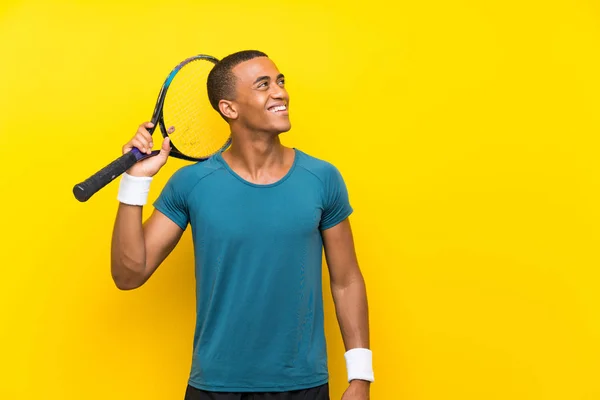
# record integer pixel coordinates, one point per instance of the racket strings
(199, 130)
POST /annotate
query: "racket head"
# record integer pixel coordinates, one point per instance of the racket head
(199, 131)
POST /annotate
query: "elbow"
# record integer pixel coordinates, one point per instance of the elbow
(126, 284)
(348, 280)
(127, 278)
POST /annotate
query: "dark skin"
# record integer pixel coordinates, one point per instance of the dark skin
(257, 114)
(256, 153)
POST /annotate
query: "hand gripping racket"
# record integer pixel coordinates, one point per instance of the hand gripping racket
(183, 104)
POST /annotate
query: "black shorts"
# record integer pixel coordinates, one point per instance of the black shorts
(316, 393)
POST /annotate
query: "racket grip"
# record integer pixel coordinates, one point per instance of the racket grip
(86, 189)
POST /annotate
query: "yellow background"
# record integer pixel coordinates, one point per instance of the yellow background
(467, 132)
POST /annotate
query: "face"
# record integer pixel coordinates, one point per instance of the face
(261, 101)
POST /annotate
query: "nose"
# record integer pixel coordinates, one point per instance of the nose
(279, 92)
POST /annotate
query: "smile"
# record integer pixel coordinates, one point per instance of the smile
(276, 109)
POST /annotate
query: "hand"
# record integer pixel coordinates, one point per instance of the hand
(358, 390)
(143, 142)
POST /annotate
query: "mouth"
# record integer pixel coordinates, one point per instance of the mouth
(279, 109)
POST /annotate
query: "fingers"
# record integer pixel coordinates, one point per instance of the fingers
(142, 139)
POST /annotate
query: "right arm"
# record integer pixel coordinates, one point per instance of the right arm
(137, 248)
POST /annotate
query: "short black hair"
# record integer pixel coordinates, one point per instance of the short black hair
(221, 80)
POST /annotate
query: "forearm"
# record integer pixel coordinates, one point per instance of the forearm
(351, 307)
(128, 252)
(350, 298)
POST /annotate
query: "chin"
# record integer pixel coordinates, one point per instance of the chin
(282, 128)
(286, 128)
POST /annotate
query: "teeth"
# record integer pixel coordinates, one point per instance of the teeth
(278, 108)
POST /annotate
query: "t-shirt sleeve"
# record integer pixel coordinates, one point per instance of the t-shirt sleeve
(336, 205)
(172, 201)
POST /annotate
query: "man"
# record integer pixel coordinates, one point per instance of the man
(261, 214)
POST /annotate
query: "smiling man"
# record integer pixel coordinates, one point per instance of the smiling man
(261, 214)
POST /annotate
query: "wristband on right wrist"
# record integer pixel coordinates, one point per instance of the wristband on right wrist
(133, 190)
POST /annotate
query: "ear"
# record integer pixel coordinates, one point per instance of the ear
(228, 109)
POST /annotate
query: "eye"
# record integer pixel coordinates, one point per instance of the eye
(282, 81)
(263, 84)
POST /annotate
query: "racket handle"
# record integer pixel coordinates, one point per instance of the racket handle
(86, 189)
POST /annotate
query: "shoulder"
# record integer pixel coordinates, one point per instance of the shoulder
(322, 169)
(187, 177)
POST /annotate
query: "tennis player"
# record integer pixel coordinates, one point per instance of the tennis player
(261, 215)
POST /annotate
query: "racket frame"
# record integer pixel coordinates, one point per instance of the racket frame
(86, 189)
(157, 115)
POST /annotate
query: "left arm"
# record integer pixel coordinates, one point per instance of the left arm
(349, 295)
(347, 286)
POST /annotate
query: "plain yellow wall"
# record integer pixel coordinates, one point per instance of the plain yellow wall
(467, 132)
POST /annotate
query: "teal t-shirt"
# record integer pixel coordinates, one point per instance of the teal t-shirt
(258, 267)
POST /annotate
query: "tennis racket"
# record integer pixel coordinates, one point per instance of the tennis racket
(183, 104)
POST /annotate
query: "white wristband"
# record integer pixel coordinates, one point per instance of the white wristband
(359, 364)
(133, 190)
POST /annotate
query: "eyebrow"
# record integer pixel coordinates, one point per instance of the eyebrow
(265, 77)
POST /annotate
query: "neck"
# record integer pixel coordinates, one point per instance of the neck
(256, 156)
